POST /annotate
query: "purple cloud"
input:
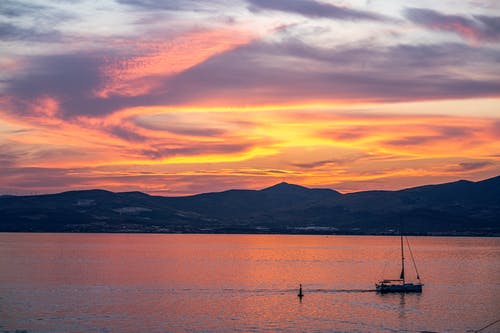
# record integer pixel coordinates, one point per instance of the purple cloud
(172, 125)
(8, 156)
(166, 4)
(125, 133)
(476, 28)
(377, 74)
(11, 8)
(317, 9)
(193, 149)
(412, 140)
(442, 133)
(11, 32)
(470, 166)
(316, 164)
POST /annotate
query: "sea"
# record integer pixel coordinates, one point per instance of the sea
(244, 283)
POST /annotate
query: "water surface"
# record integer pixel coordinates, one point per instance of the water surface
(246, 283)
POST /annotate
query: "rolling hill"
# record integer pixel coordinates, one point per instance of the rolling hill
(457, 208)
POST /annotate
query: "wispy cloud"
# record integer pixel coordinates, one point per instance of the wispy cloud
(12, 32)
(471, 166)
(316, 164)
(11, 8)
(474, 28)
(156, 61)
(167, 4)
(316, 9)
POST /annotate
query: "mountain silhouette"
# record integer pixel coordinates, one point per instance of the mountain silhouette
(457, 208)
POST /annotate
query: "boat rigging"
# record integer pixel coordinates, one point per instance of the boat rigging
(401, 285)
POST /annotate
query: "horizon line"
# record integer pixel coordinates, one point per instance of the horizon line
(240, 189)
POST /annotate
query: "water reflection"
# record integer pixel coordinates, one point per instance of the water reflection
(223, 283)
(402, 311)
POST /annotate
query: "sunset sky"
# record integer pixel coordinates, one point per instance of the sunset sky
(183, 97)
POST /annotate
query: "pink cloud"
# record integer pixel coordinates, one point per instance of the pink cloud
(139, 74)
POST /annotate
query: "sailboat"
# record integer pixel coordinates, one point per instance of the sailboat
(401, 285)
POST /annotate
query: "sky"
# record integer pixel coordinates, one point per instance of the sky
(184, 97)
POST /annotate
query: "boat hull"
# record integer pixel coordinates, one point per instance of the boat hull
(399, 288)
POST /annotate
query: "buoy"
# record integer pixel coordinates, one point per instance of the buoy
(300, 291)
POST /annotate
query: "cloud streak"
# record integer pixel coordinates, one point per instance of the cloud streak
(480, 28)
(11, 32)
(11, 8)
(316, 9)
(471, 166)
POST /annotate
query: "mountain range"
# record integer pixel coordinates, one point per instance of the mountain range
(457, 208)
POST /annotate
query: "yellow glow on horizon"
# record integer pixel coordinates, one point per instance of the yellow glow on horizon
(310, 144)
(481, 107)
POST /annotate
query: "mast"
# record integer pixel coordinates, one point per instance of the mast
(402, 276)
(412, 258)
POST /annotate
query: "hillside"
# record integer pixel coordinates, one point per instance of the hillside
(458, 208)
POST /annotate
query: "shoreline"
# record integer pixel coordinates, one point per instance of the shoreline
(451, 235)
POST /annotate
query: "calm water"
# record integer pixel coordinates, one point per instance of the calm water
(246, 283)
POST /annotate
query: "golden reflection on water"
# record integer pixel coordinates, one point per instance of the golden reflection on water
(223, 283)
